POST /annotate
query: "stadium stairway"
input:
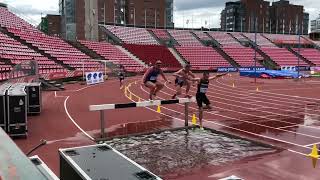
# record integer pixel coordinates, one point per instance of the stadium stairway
(307, 39)
(176, 52)
(128, 53)
(194, 35)
(226, 56)
(113, 67)
(178, 56)
(316, 46)
(215, 42)
(217, 46)
(236, 39)
(173, 51)
(300, 56)
(268, 62)
(110, 35)
(156, 38)
(268, 39)
(174, 41)
(85, 50)
(36, 49)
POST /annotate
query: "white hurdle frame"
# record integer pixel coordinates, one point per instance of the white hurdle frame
(103, 107)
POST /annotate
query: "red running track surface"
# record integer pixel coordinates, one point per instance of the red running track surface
(283, 113)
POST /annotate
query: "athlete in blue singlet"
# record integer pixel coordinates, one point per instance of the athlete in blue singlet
(150, 79)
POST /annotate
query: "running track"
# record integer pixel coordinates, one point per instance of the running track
(283, 113)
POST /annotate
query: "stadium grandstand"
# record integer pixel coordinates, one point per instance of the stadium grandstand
(136, 48)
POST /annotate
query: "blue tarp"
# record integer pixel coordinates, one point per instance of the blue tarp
(272, 74)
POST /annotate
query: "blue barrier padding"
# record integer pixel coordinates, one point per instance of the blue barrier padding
(272, 74)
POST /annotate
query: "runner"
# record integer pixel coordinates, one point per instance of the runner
(203, 85)
(150, 79)
(121, 75)
(182, 79)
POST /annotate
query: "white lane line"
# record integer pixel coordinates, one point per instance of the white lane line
(259, 95)
(70, 117)
(256, 97)
(288, 89)
(311, 144)
(284, 127)
(307, 155)
(261, 106)
(222, 125)
(252, 115)
(246, 101)
(74, 122)
(278, 94)
(243, 120)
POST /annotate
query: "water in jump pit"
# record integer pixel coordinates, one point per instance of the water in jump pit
(179, 152)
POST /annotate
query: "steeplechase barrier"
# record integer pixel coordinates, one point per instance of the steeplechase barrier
(103, 107)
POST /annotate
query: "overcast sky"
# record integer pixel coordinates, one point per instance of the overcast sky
(196, 11)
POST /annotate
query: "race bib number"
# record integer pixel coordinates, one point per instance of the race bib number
(203, 90)
(153, 78)
(180, 80)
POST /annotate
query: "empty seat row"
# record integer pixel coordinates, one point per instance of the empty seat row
(112, 53)
(151, 53)
(132, 35)
(282, 56)
(312, 55)
(286, 39)
(261, 41)
(202, 58)
(244, 56)
(224, 39)
(161, 34)
(184, 38)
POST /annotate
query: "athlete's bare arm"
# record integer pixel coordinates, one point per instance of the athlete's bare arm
(217, 76)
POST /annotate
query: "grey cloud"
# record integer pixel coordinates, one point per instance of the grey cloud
(182, 5)
(29, 10)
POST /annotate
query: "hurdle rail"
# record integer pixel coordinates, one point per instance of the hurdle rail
(103, 107)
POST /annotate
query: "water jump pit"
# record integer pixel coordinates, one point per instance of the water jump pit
(179, 152)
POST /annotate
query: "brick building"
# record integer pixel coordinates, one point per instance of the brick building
(80, 18)
(280, 17)
(51, 25)
(287, 18)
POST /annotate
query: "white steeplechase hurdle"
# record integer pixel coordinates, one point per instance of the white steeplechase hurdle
(103, 107)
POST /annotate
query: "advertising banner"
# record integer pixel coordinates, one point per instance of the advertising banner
(94, 78)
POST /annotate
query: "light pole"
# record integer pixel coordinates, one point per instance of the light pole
(255, 50)
(299, 48)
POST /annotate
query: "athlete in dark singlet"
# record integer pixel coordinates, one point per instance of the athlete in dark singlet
(121, 75)
(203, 85)
(150, 79)
(182, 79)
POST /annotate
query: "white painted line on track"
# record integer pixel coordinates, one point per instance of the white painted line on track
(74, 122)
(242, 120)
(284, 127)
(252, 115)
(278, 94)
(236, 129)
